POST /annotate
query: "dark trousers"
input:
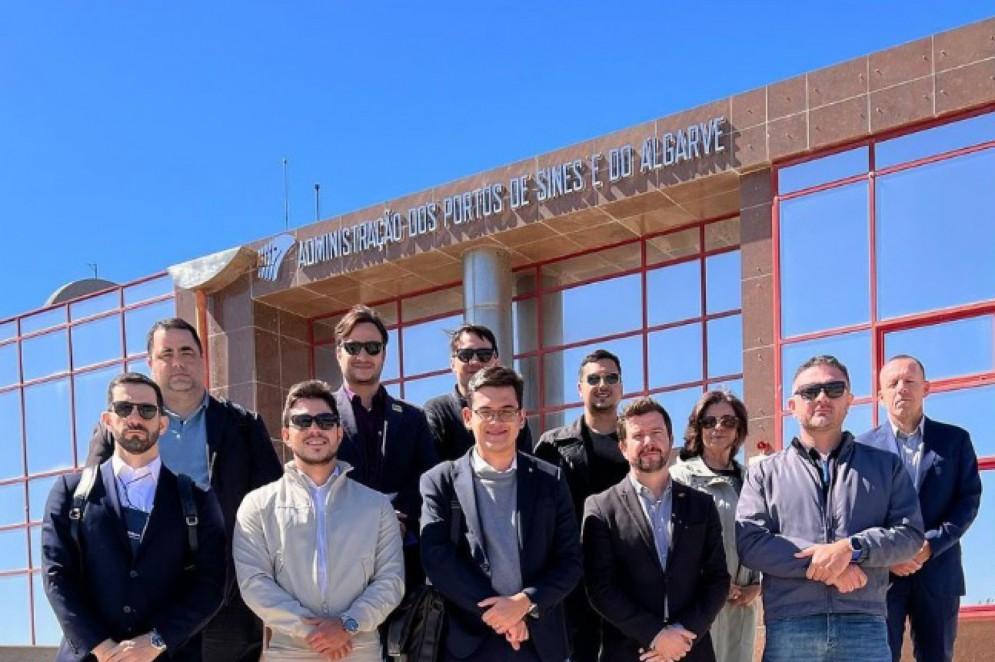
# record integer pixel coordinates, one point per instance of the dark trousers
(235, 634)
(583, 625)
(497, 649)
(932, 618)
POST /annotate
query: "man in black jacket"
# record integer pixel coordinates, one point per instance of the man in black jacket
(217, 443)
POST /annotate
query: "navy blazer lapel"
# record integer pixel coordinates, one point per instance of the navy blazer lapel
(630, 500)
(165, 499)
(526, 495)
(463, 490)
(351, 436)
(678, 514)
(930, 440)
(112, 504)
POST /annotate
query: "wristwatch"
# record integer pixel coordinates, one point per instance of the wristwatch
(533, 611)
(349, 624)
(858, 550)
(155, 639)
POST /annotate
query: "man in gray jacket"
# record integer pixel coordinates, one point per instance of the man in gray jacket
(823, 520)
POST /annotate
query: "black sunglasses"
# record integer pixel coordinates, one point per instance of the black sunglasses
(726, 421)
(611, 379)
(372, 347)
(304, 421)
(124, 409)
(811, 391)
(483, 354)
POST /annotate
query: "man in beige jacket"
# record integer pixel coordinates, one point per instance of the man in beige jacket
(318, 555)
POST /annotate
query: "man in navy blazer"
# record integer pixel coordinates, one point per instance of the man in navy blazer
(942, 463)
(132, 583)
(516, 554)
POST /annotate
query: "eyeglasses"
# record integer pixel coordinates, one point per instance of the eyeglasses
(726, 421)
(372, 347)
(502, 415)
(124, 409)
(304, 421)
(483, 354)
(811, 391)
(610, 379)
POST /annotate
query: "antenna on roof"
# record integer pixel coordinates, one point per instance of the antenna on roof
(286, 196)
(317, 202)
(93, 266)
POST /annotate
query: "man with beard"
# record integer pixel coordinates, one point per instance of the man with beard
(318, 555)
(823, 520)
(654, 564)
(588, 452)
(129, 577)
(472, 347)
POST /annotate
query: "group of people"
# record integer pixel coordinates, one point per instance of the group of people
(186, 538)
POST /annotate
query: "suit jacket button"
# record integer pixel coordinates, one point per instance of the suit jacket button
(127, 609)
(486, 567)
(133, 574)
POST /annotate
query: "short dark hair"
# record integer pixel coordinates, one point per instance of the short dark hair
(823, 359)
(693, 446)
(178, 324)
(359, 315)
(641, 406)
(598, 355)
(478, 330)
(907, 357)
(134, 378)
(496, 375)
(311, 389)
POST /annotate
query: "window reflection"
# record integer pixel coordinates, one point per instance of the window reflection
(723, 282)
(675, 245)
(149, 289)
(931, 345)
(673, 293)
(932, 215)
(528, 368)
(9, 372)
(592, 265)
(858, 420)
(391, 366)
(138, 321)
(8, 330)
(824, 260)
(722, 234)
(675, 355)
(12, 504)
(524, 321)
(45, 355)
(96, 341)
(977, 545)
(15, 626)
(969, 408)
(48, 429)
(90, 394)
(14, 549)
(852, 349)
(140, 366)
(725, 346)
(34, 533)
(584, 311)
(426, 346)
(945, 138)
(678, 404)
(95, 305)
(43, 320)
(38, 491)
(11, 443)
(561, 369)
(823, 170)
(419, 391)
(434, 303)
(48, 632)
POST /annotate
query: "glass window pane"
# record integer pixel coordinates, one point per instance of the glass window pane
(852, 349)
(14, 550)
(971, 409)
(932, 215)
(824, 260)
(528, 368)
(95, 305)
(138, 321)
(591, 265)
(858, 420)
(96, 341)
(675, 245)
(142, 366)
(973, 338)
(48, 632)
(11, 443)
(673, 293)
(45, 355)
(823, 170)
(675, 355)
(678, 404)
(976, 547)
(725, 346)
(149, 289)
(394, 390)
(15, 617)
(34, 533)
(9, 371)
(8, 330)
(12, 504)
(419, 391)
(557, 419)
(90, 393)
(325, 365)
(43, 320)
(324, 329)
(392, 364)
(722, 234)
(723, 282)
(49, 431)
(573, 315)
(946, 138)
(434, 303)
(734, 386)
(524, 324)
(38, 491)
(426, 345)
(560, 369)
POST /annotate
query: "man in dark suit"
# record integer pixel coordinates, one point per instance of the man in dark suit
(518, 551)
(654, 564)
(130, 584)
(387, 441)
(217, 443)
(940, 459)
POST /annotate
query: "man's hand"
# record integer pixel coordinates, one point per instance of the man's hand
(328, 635)
(516, 634)
(138, 649)
(503, 612)
(673, 642)
(851, 579)
(906, 568)
(103, 649)
(745, 595)
(400, 519)
(828, 560)
(341, 653)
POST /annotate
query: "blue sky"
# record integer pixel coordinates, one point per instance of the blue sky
(140, 135)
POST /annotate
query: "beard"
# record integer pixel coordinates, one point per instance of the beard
(651, 465)
(137, 444)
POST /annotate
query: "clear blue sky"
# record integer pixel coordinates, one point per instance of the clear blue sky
(140, 135)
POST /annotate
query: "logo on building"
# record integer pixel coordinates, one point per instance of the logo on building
(271, 256)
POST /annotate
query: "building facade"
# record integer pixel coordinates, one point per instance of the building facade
(846, 211)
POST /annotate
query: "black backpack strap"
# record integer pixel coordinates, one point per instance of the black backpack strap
(190, 516)
(86, 480)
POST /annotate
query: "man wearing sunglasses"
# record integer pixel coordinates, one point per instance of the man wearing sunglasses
(472, 347)
(941, 462)
(318, 555)
(125, 578)
(587, 451)
(216, 442)
(823, 520)
(387, 441)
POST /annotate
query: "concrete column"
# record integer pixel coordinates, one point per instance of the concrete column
(487, 295)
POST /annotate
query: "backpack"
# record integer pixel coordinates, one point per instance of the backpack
(187, 503)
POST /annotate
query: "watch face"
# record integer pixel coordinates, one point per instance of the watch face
(157, 643)
(350, 625)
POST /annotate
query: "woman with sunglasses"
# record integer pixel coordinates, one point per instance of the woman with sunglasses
(716, 431)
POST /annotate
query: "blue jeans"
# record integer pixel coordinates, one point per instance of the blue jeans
(828, 638)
